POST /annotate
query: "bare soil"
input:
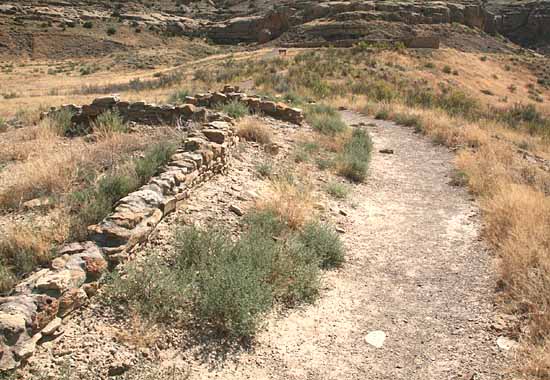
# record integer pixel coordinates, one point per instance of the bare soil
(416, 269)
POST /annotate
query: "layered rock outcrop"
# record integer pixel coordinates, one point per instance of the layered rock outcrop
(235, 22)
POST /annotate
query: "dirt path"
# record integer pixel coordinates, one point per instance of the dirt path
(416, 270)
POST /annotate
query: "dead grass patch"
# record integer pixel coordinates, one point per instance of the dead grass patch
(253, 129)
(57, 170)
(290, 200)
(25, 246)
(139, 332)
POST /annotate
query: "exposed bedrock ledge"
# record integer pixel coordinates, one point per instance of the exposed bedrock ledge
(35, 307)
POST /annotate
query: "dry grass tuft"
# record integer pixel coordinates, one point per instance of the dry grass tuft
(290, 200)
(518, 224)
(21, 144)
(253, 129)
(139, 333)
(55, 171)
(23, 246)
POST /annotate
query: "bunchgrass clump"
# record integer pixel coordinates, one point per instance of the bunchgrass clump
(24, 248)
(264, 169)
(325, 119)
(353, 161)
(235, 109)
(149, 288)
(324, 163)
(147, 166)
(337, 190)
(178, 97)
(60, 122)
(253, 129)
(324, 242)
(3, 125)
(94, 203)
(109, 122)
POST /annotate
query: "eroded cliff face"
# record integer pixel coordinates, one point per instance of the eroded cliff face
(261, 21)
(526, 23)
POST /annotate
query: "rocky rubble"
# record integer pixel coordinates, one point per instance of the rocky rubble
(36, 307)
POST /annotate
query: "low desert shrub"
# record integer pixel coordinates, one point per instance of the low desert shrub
(324, 242)
(178, 97)
(353, 161)
(235, 109)
(337, 190)
(300, 155)
(527, 116)
(232, 287)
(94, 203)
(264, 169)
(323, 163)
(91, 205)
(237, 282)
(226, 285)
(408, 120)
(149, 288)
(3, 125)
(108, 123)
(325, 119)
(7, 278)
(157, 156)
(59, 121)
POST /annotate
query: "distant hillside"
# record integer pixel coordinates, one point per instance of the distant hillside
(261, 21)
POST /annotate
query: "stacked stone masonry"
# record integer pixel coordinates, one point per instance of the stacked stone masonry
(36, 307)
(194, 110)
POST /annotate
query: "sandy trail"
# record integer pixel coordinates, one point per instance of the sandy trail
(417, 270)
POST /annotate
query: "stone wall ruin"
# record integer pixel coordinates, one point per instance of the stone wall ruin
(35, 308)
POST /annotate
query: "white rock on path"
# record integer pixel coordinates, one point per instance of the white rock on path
(376, 338)
(505, 343)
